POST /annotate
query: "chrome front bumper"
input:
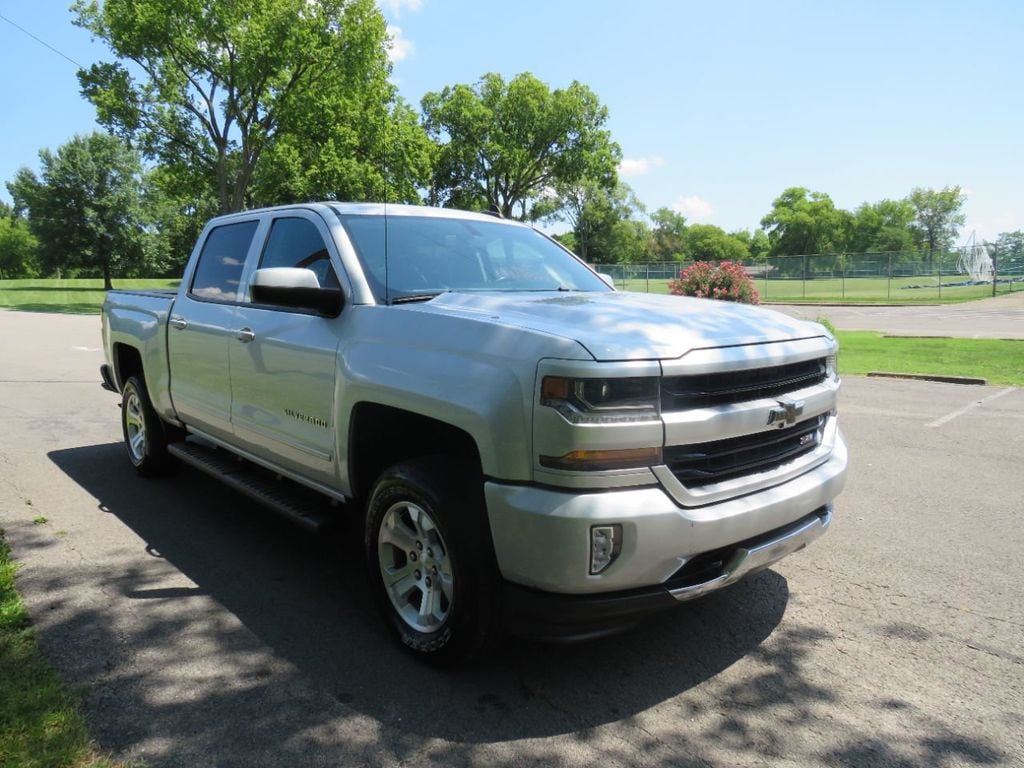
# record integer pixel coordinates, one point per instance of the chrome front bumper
(755, 557)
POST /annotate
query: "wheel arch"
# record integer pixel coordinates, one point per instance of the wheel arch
(127, 363)
(382, 435)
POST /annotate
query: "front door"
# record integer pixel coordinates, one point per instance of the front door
(284, 362)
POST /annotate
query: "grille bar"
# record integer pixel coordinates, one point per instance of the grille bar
(707, 389)
(714, 462)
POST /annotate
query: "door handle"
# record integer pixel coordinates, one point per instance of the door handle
(178, 322)
(245, 335)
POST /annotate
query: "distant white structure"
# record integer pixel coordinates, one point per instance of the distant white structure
(976, 260)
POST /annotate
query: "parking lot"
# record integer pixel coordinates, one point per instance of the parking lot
(205, 631)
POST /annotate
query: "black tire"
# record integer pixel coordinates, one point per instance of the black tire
(146, 436)
(455, 543)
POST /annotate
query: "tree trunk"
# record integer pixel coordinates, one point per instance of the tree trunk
(107, 285)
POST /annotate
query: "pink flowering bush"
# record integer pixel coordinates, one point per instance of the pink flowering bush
(726, 281)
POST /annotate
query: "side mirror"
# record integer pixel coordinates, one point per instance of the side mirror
(295, 288)
(607, 278)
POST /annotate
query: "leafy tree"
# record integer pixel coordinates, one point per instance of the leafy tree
(18, 247)
(803, 222)
(756, 242)
(605, 222)
(86, 206)
(593, 211)
(706, 242)
(938, 216)
(507, 144)
(669, 235)
(1009, 248)
(175, 217)
(883, 226)
(217, 87)
(627, 241)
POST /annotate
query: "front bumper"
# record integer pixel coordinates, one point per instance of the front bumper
(553, 616)
(542, 536)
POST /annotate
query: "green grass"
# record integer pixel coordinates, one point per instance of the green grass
(40, 725)
(852, 290)
(80, 297)
(1001, 362)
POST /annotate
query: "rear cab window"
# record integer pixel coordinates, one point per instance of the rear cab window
(218, 274)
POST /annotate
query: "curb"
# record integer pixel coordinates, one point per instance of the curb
(928, 377)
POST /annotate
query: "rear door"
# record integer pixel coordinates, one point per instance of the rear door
(201, 322)
(284, 361)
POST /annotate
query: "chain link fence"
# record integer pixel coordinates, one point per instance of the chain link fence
(897, 277)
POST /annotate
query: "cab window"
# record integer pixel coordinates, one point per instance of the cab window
(219, 271)
(296, 242)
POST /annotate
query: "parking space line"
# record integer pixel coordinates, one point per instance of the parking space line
(950, 416)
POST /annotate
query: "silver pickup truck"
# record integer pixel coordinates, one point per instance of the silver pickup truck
(523, 446)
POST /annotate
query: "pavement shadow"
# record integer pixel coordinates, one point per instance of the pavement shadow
(306, 598)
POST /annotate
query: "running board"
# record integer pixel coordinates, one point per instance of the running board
(300, 505)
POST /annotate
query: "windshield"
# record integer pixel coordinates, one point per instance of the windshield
(428, 255)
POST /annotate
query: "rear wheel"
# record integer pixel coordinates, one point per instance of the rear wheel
(145, 434)
(430, 559)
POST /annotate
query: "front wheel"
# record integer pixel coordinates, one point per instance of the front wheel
(145, 434)
(430, 559)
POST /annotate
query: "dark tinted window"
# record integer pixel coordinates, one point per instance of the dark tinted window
(297, 242)
(219, 271)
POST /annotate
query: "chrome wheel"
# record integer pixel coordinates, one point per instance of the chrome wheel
(415, 567)
(135, 426)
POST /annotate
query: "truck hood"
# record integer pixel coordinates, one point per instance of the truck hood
(627, 326)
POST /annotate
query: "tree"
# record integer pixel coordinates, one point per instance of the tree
(175, 217)
(706, 242)
(18, 247)
(508, 144)
(627, 241)
(669, 235)
(86, 206)
(883, 226)
(756, 242)
(603, 222)
(1009, 253)
(803, 222)
(217, 87)
(938, 216)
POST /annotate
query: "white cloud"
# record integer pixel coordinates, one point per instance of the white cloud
(400, 47)
(398, 6)
(640, 165)
(693, 207)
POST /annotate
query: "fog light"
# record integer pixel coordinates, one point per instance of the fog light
(605, 545)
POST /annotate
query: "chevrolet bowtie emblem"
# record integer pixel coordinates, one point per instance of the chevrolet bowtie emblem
(786, 412)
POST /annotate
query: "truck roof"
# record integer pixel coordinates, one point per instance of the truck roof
(374, 209)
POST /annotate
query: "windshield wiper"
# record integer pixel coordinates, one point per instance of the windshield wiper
(415, 297)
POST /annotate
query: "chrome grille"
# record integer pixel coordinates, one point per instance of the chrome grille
(702, 464)
(702, 390)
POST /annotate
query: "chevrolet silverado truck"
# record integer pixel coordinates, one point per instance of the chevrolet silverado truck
(523, 447)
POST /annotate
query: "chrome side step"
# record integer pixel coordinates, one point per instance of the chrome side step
(300, 505)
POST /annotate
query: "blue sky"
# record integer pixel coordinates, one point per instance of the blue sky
(718, 107)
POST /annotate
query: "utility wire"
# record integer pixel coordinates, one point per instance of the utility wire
(41, 42)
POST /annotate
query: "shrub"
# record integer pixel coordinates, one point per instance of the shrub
(726, 281)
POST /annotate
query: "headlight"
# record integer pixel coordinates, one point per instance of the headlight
(602, 401)
(832, 366)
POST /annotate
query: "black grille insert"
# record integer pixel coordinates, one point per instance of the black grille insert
(707, 463)
(702, 390)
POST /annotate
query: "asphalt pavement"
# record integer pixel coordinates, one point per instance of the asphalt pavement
(205, 631)
(1000, 317)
